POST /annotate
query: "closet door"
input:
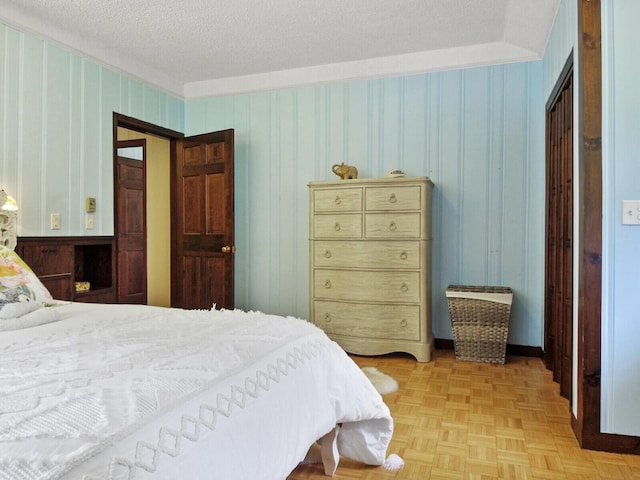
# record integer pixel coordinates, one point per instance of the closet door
(559, 237)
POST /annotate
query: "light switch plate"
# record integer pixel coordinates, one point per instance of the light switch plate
(55, 221)
(631, 212)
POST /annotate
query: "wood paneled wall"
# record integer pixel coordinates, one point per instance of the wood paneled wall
(477, 133)
(56, 146)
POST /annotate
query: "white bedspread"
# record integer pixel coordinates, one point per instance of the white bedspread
(124, 392)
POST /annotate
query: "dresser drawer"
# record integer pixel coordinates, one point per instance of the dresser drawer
(337, 199)
(393, 225)
(48, 260)
(58, 285)
(393, 198)
(395, 322)
(367, 286)
(337, 226)
(375, 254)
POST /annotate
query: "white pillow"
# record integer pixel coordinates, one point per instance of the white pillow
(21, 291)
(17, 309)
(31, 319)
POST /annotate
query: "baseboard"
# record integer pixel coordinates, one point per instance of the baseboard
(520, 350)
(524, 350)
(605, 442)
(442, 344)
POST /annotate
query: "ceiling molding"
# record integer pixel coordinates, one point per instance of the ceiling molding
(398, 65)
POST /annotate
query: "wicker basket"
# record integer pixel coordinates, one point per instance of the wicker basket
(480, 322)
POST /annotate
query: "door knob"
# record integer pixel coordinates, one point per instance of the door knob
(227, 249)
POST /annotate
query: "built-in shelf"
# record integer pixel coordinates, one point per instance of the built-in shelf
(60, 262)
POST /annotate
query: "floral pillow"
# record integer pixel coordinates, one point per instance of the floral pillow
(21, 291)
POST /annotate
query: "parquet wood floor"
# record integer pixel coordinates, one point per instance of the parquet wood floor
(475, 421)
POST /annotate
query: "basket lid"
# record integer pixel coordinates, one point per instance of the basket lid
(490, 294)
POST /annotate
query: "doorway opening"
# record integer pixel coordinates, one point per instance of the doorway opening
(144, 276)
(195, 195)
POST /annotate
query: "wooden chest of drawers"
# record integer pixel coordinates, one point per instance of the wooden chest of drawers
(370, 247)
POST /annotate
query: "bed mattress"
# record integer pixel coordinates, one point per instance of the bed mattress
(124, 392)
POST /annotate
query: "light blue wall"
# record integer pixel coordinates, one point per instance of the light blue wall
(560, 46)
(56, 131)
(477, 133)
(621, 252)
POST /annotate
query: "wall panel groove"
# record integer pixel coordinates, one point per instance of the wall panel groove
(463, 129)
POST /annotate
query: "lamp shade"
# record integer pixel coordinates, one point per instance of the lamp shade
(8, 207)
(9, 204)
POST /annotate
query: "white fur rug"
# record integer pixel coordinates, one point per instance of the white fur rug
(383, 383)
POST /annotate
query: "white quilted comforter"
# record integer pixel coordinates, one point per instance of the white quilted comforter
(124, 392)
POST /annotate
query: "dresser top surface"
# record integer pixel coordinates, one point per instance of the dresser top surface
(369, 181)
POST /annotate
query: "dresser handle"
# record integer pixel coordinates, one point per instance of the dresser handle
(336, 227)
(404, 287)
(327, 254)
(338, 200)
(327, 317)
(392, 198)
(392, 226)
(403, 255)
(327, 284)
(403, 323)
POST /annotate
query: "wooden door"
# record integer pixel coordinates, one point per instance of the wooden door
(559, 236)
(131, 236)
(204, 222)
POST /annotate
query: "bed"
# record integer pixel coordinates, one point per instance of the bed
(92, 391)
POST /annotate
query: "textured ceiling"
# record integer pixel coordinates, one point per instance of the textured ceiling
(207, 47)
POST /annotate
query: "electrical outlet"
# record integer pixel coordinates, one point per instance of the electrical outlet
(631, 212)
(88, 222)
(55, 221)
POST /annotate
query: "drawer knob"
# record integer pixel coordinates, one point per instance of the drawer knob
(336, 227)
(327, 284)
(392, 226)
(327, 317)
(338, 200)
(403, 323)
(327, 254)
(403, 255)
(392, 198)
(404, 287)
